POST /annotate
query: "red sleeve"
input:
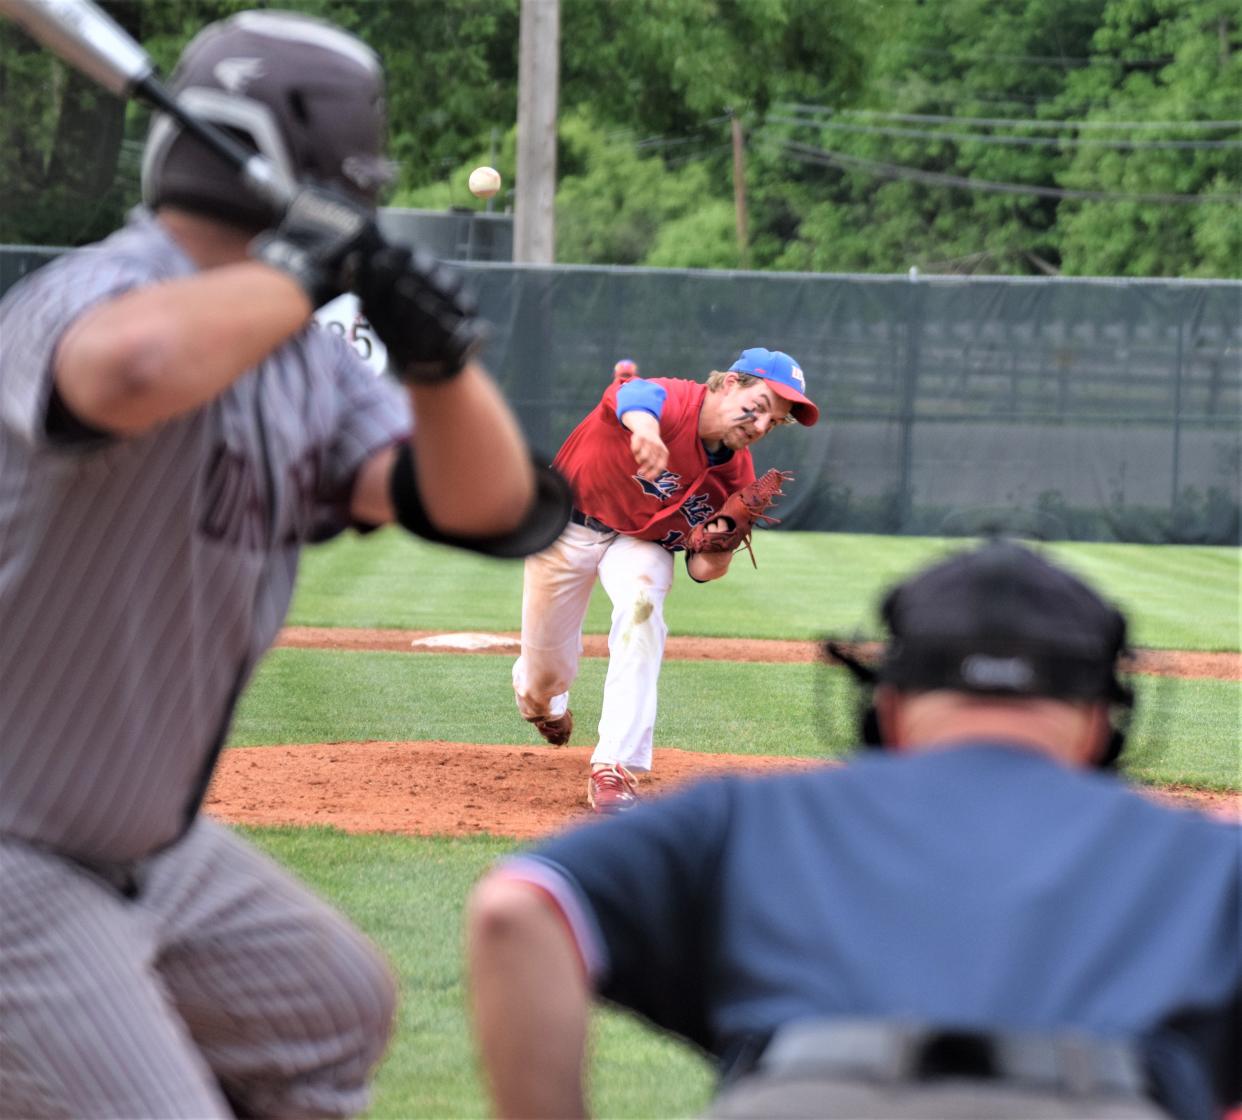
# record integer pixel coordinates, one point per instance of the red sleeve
(597, 461)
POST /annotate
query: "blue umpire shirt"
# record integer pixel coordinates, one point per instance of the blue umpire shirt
(980, 886)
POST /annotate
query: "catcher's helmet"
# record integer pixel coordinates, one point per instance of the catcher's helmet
(1001, 620)
(306, 94)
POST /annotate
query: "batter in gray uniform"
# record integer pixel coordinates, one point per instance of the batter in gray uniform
(172, 431)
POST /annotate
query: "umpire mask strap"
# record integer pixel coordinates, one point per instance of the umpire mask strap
(865, 677)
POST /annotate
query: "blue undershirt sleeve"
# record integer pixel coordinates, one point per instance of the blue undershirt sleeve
(641, 395)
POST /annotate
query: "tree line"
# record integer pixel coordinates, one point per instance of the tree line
(1038, 137)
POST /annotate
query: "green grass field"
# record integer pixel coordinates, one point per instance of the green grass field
(407, 892)
(311, 696)
(807, 585)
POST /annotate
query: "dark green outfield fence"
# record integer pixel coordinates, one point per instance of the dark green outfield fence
(1066, 409)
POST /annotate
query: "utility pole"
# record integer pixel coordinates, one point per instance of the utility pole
(739, 191)
(492, 145)
(534, 219)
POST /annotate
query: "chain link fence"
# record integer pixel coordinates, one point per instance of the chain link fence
(1066, 409)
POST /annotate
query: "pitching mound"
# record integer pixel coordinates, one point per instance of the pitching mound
(457, 789)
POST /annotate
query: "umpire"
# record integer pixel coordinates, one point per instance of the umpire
(977, 921)
(173, 430)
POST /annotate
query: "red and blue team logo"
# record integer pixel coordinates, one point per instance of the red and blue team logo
(696, 509)
(662, 487)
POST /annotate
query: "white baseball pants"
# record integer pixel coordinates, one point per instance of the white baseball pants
(557, 588)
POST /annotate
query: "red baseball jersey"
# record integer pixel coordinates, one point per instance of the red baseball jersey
(596, 460)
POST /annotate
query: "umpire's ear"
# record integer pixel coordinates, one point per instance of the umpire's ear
(1098, 737)
(886, 703)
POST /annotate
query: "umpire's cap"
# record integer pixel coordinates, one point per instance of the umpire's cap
(303, 92)
(1002, 619)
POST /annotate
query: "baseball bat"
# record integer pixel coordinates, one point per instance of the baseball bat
(92, 42)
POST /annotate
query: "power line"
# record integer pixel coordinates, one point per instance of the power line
(690, 157)
(664, 144)
(1069, 62)
(954, 89)
(1011, 141)
(697, 136)
(922, 84)
(660, 143)
(830, 158)
(1000, 122)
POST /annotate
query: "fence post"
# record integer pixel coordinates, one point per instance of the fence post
(1177, 418)
(534, 354)
(909, 387)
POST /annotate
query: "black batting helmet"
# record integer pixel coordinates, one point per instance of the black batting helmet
(303, 92)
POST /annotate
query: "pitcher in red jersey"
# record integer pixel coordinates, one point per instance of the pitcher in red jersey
(652, 460)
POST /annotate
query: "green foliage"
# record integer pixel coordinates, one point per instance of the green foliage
(646, 92)
(665, 67)
(704, 238)
(60, 142)
(452, 74)
(616, 205)
(949, 60)
(1198, 77)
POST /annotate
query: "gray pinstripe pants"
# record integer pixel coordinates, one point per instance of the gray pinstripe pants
(225, 985)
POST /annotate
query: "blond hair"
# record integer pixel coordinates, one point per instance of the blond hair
(715, 379)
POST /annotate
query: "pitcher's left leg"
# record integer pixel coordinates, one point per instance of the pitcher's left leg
(637, 576)
(556, 591)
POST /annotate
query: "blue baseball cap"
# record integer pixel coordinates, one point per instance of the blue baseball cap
(780, 371)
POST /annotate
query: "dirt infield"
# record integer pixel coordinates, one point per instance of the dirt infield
(459, 789)
(452, 789)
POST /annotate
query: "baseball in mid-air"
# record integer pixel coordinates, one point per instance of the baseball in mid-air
(484, 182)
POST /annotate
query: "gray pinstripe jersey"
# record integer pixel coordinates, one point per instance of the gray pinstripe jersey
(142, 579)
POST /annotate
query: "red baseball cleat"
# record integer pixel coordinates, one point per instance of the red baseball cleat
(611, 789)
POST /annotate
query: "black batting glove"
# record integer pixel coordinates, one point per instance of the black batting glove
(319, 242)
(421, 312)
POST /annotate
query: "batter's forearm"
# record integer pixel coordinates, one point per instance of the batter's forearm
(474, 471)
(160, 351)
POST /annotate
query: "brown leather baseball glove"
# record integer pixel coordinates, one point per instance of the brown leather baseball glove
(742, 510)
